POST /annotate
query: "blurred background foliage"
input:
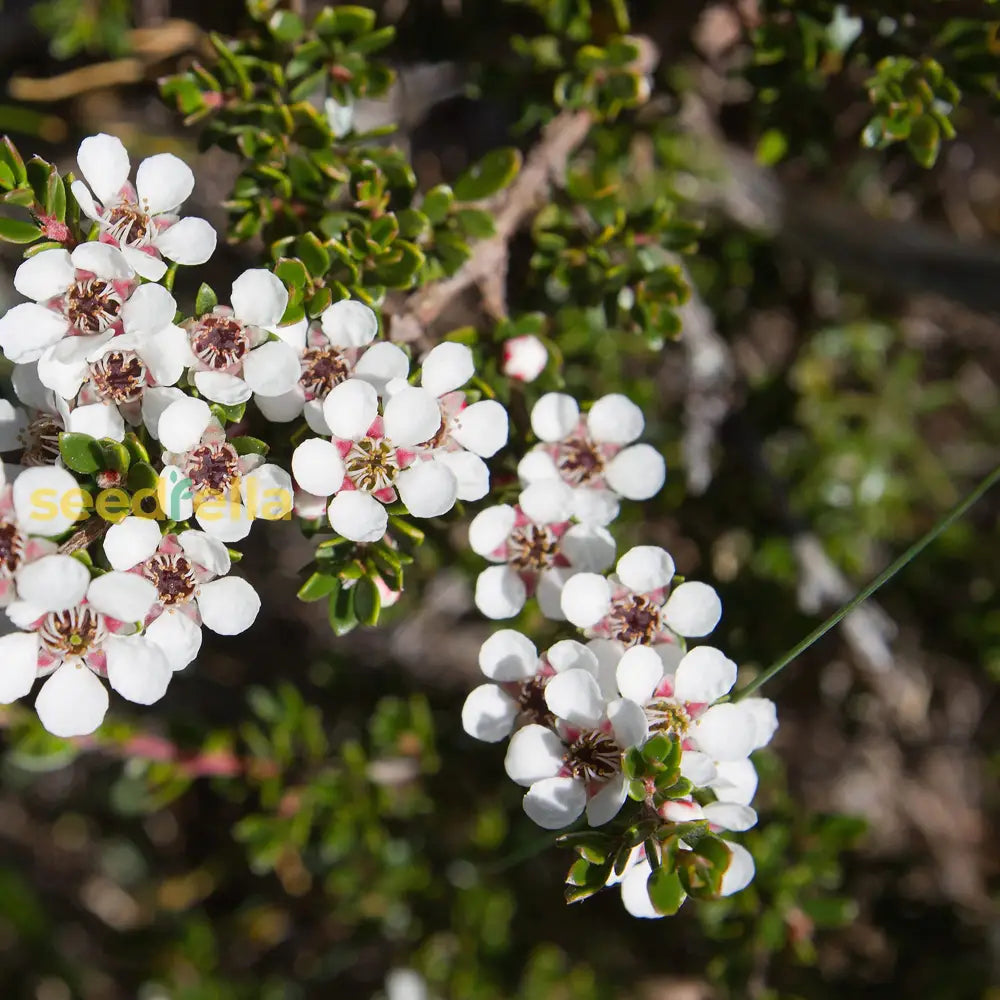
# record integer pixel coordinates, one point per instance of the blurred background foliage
(808, 195)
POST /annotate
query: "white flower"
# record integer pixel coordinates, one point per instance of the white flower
(234, 357)
(78, 294)
(329, 352)
(538, 551)
(591, 455)
(204, 475)
(524, 358)
(519, 675)
(17, 547)
(188, 571)
(370, 459)
(79, 629)
(142, 221)
(577, 765)
(633, 606)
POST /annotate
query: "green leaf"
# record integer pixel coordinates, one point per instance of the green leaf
(136, 449)
(81, 453)
(313, 254)
(318, 586)
(292, 272)
(55, 197)
(397, 268)
(341, 611)
(15, 231)
(350, 20)
(367, 601)
(374, 41)
(493, 172)
(6, 176)
(475, 222)
(12, 158)
(142, 476)
(205, 301)
(665, 891)
(286, 26)
(437, 202)
(39, 171)
(771, 147)
(246, 445)
(232, 414)
(115, 456)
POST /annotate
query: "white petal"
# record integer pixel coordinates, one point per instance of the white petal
(547, 501)
(98, 420)
(470, 472)
(103, 259)
(13, 422)
(125, 596)
(412, 416)
(204, 550)
(29, 389)
(382, 363)
(595, 506)
(703, 676)
(137, 669)
(765, 717)
(693, 609)
(637, 472)
(645, 568)
(615, 419)
(293, 334)
(272, 368)
(18, 665)
(284, 408)
(228, 605)
(548, 591)
(131, 542)
(698, 768)
(349, 323)
(221, 387)
(357, 516)
(318, 467)
(724, 732)
(607, 803)
(568, 654)
(635, 892)
(446, 367)
(24, 615)
(104, 164)
(533, 753)
(730, 816)
(72, 702)
(488, 713)
(524, 358)
(586, 599)
(731, 780)
(63, 367)
(226, 520)
(553, 803)
(85, 200)
(144, 264)
(148, 310)
(39, 496)
(45, 275)
(166, 354)
(182, 424)
(500, 592)
(259, 298)
(554, 416)
(481, 428)
(350, 409)
(178, 637)
(575, 696)
(189, 241)
(740, 872)
(154, 401)
(507, 655)
(535, 466)
(629, 723)
(428, 489)
(490, 527)
(589, 549)
(312, 410)
(163, 183)
(27, 330)
(639, 673)
(267, 492)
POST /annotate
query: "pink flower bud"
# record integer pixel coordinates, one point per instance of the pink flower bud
(524, 358)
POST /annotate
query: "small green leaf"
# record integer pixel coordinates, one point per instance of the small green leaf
(493, 172)
(341, 611)
(15, 231)
(206, 300)
(81, 453)
(367, 601)
(136, 449)
(292, 272)
(12, 158)
(771, 147)
(142, 476)
(350, 20)
(476, 223)
(55, 197)
(665, 891)
(115, 456)
(6, 177)
(250, 446)
(437, 202)
(313, 254)
(318, 586)
(286, 26)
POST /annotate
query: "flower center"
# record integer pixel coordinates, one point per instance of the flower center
(532, 547)
(220, 341)
(668, 716)
(172, 575)
(72, 633)
(371, 464)
(127, 224)
(213, 468)
(12, 544)
(634, 619)
(593, 755)
(322, 369)
(92, 305)
(530, 699)
(119, 376)
(41, 441)
(579, 461)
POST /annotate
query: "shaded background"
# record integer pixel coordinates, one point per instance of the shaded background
(836, 389)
